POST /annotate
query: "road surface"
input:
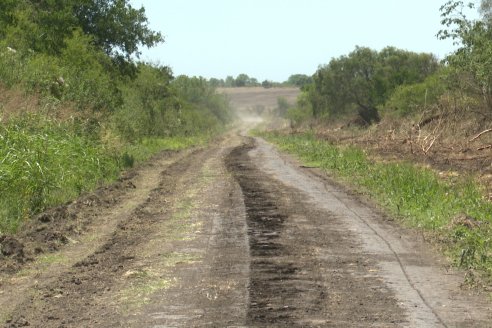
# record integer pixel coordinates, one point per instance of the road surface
(237, 235)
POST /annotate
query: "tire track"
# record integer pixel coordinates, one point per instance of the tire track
(73, 299)
(304, 271)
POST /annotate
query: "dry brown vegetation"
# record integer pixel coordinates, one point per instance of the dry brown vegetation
(454, 141)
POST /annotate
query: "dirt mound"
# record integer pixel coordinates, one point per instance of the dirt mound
(11, 247)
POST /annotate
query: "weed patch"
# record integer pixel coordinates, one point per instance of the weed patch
(44, 163)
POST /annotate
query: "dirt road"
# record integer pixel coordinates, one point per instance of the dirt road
(233, 235)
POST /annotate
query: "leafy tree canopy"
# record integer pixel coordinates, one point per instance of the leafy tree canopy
(471, 62)
(364, 80)
(300, 80)
(118, 28)
(115, 26)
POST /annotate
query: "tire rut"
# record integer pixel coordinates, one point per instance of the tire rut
(73, 298)
(291, 285)
(265, 225)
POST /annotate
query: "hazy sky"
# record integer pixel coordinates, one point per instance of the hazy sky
(272, 39)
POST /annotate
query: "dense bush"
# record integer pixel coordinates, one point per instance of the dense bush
(364, 80)
(413, 98)
(302, 111)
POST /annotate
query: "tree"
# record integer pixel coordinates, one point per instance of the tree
(282, 106)
(253, 82)
(471, 61)
(115, 27)
(300, 80)
(230, 82)
(7, 8)
(363, 80)
(41, 26)
(242, 80)
(215, 83)
(267, 84)
(348, 81)
(118, 28)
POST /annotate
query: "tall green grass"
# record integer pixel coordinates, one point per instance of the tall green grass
(44, 163)
(416, 195)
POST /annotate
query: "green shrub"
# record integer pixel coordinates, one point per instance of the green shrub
(303, 110)
(414, 98)
(87, 80)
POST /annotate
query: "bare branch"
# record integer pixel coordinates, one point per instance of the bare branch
(479, 135)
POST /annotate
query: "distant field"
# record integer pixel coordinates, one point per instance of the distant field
(244, 99)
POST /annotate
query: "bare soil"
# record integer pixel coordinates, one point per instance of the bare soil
(230, 235)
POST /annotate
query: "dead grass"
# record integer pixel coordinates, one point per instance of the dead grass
(446, 143)
(15, 102)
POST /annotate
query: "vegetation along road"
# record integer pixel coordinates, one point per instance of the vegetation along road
(234, 234)
(358, 196)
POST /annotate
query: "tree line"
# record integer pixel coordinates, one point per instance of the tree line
(368, 83)
(85, 54)
(244, 80)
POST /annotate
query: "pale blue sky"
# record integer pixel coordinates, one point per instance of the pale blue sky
(272, 39)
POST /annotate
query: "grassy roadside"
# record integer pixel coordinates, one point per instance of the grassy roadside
(44, 163)
(454, 210)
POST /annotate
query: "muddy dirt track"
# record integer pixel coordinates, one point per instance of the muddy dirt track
(231, 235)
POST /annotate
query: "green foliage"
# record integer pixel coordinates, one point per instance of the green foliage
(202, 98)
(12, 67)
(46, 163)
(363, 81)
(416, 195)
(267, 84)
(79, 74)
(149, 108)
(6, 11)
(40, 26)
(471, 62)
(157, 105)
(303, 110)
(414, 98)
(282, 106)
(118, 28)
(44, 26)
(242, 80)
(87, 80)
(299, 80)
(73, 60)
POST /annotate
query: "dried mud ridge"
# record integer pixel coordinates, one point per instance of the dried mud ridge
(290, 286)
(55, 227)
